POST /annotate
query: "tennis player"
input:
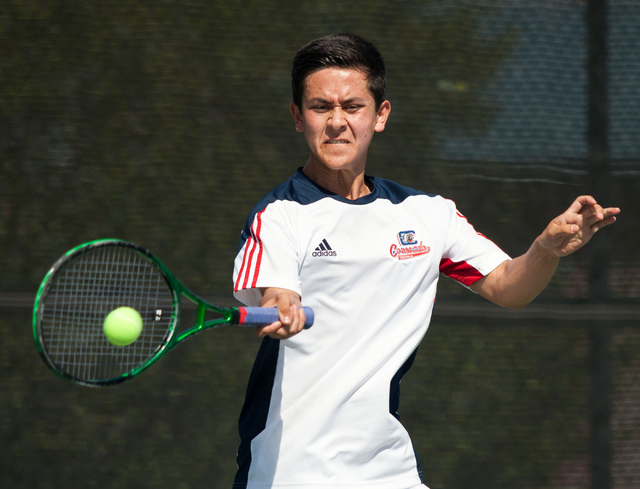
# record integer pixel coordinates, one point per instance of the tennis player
(365, 253)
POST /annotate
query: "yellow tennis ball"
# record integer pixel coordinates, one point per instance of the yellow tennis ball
(122, 326)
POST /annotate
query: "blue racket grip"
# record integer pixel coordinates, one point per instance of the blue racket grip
(261, 316)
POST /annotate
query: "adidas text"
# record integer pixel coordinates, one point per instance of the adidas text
(324, 253)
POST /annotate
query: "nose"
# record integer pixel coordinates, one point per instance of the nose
(336, 118)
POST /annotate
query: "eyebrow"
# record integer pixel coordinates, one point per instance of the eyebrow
(327, 101)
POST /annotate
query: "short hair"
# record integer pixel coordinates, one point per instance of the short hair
(339, 51)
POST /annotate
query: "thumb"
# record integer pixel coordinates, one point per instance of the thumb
(570, 228)
(559, 228)
(556, 233)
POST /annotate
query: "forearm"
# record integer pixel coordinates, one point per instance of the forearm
(270, 296)
(515, 283)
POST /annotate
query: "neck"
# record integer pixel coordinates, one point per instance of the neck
(344, 182)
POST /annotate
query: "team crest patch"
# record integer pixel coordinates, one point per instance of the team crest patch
(408, 246)
(406, 238)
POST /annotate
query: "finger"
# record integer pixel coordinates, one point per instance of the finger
(593, 220)
(302, 317)
(582, 202)
(286, 331)
(280, 330)
(608, 217)
(284, 309)
(590, 211)
(597, 212)
(611, 211)
(299, 319)
(605, 222)
(282, 333)
(268, 329)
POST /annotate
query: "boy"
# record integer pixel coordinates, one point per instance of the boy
(365, 254)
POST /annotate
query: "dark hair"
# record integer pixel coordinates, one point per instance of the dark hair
(339, 51)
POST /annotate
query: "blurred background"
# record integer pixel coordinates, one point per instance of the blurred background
(163, 122)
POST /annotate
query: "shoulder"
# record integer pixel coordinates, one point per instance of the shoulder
(297, 189)
(397, 193)
(284, 199)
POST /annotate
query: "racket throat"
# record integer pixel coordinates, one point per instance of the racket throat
(200, 316)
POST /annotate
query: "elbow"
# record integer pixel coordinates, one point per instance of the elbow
(517, 306)
(514, 303)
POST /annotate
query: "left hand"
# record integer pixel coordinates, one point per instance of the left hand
(574, 228)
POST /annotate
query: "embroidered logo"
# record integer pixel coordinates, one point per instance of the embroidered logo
(323, 249)
(407, 238)
(409, 247)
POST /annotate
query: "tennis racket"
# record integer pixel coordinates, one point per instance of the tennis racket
(95, 278)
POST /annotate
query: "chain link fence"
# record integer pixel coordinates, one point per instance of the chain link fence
(163, 123)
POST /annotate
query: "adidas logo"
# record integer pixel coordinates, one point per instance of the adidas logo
(323, 249)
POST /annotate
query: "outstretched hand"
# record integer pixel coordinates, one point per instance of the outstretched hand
(574, 228)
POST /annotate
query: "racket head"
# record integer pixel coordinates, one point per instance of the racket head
(81, 288)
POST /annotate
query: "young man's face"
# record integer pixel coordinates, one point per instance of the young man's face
(338, 118)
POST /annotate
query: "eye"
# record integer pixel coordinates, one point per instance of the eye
(352, 108)
(320, 108)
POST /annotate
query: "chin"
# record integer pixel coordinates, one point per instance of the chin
(338, 162)
(338, 165)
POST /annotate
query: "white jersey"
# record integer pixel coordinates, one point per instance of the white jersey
(321, 407)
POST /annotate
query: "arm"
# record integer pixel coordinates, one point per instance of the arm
(292, 317)
(517, 282)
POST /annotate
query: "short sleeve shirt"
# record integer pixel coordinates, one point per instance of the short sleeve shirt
(320, 410)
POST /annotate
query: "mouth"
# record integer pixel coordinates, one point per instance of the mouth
(336, 141)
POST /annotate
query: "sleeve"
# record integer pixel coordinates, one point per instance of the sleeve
(267, 255)
(468, 255)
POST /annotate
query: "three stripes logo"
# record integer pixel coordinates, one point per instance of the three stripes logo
(323, 249)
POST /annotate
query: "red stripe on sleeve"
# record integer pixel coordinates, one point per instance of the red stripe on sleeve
(260, 248)
(462, 216)
(247, 244)
(460, 271)
(248, 272)
(255, 234)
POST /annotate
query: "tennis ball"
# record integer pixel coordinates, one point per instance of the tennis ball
(122, 326)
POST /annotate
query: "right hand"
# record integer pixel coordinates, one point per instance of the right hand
(291, 315)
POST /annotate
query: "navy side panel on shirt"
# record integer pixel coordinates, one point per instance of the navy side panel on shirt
(253, 417)
(394, 398)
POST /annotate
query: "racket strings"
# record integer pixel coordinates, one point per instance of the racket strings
(81, 295)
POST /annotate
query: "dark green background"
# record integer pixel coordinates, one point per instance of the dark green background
(163, 122)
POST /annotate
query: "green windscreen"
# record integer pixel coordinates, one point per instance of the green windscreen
(164, 122)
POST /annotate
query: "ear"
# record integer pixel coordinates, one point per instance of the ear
(297, 117)
(383, 116)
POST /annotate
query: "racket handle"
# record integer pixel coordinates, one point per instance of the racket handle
(261, 316)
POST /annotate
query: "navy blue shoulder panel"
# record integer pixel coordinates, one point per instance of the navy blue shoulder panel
(297, 188)
(300, 189)
(392, 191)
